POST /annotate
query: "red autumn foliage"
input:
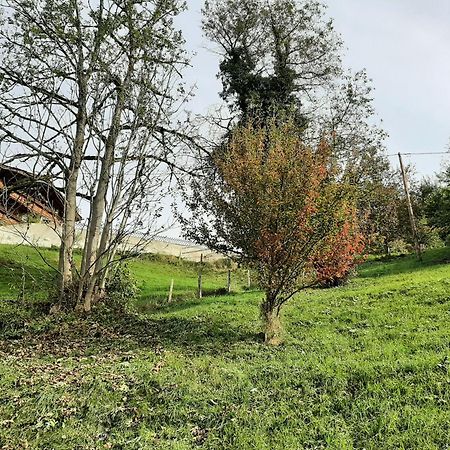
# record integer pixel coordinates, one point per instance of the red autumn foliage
(282, 206)
(340, 256)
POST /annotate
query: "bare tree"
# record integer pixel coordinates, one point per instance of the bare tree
(90, 94)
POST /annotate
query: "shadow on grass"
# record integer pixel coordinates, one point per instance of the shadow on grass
(200, 334)
(102, 333)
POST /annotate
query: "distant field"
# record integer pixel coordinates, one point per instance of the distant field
(363, 366)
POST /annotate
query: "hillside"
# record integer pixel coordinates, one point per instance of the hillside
(363, 366)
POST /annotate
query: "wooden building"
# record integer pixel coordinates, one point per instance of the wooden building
(27, 198)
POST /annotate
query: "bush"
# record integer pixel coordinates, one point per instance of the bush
(121, 289)
(429, 237)
(400, 247)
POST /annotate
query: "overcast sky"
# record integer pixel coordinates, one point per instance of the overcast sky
(405, 47)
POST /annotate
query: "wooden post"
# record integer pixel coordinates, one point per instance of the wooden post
(199, 293)
(249, 280)
(410, 209)
(229, 281)
(170, 292)
(22, 293)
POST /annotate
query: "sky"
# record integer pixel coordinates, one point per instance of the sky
(405, 47)
(403, 44)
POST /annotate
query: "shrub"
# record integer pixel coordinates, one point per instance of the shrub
(121, 289)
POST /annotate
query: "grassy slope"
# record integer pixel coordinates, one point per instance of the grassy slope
(363, 366)
(22, 268)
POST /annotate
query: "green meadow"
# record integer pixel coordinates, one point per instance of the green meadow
(364, 366)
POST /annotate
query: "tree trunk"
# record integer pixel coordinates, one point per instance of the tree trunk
(91, 249)
(386, 248)
(65, 264)
(68, 232)
(99, 202)
(272, 323)
(70, 208)
(95, 284)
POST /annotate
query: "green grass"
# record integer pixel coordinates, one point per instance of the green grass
(26, 271)
(154, 274)
(363, 366)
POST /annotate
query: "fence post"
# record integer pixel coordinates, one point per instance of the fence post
(249, 281)
(170, 292)
(229, 281)
(199, 293)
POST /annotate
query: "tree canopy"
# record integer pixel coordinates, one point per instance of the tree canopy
(275, 203)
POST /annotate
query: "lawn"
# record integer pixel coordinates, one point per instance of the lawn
(363, 366)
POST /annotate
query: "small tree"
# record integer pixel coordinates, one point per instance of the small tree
(337, 258)
(277, 205)
(381, 201)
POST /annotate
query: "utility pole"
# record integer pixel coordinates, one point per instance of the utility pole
(410, 209)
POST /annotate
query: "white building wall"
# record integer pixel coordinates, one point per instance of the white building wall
(42, 235)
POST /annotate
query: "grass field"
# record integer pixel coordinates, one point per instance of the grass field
(365, 366)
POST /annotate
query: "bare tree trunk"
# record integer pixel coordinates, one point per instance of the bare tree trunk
(107, 248)
(68, 232)
(70, 212)
(386, 248)
(111, 253)
(272, 324)
(108, 258)
(99, 202)
(93, 232)
(97, 279)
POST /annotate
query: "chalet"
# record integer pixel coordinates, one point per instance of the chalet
(27, 198)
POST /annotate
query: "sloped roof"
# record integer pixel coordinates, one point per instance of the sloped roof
(43, 192)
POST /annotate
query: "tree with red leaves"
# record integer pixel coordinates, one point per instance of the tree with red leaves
(340, 255)
(280, 206)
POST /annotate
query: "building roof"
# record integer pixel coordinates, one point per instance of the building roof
(23, 186)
